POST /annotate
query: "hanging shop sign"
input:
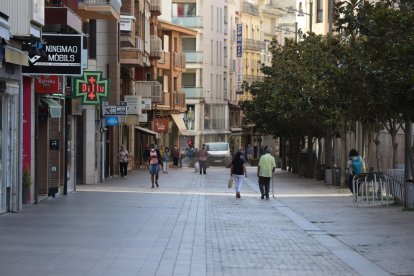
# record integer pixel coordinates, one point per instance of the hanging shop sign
(47, 85)
(111, 121)
(160, 125)
(91, 87)
(239, 59)
(54, 54)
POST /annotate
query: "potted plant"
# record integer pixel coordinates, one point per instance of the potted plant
(27, 183)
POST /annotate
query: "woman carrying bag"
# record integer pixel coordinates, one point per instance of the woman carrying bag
(238, 172)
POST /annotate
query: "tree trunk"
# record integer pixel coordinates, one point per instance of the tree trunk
(408, 167)
(344, 157)
(377, 150)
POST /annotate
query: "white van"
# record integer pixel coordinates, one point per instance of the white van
(218, 153)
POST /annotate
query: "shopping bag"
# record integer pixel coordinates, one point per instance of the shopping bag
(230, 182)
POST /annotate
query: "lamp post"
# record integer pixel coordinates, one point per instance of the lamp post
(302, 13)
(287, 31)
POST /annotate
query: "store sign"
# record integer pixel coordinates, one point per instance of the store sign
(47, 85)
(126, 22)
(160, 125)
(111, 121)
(55, 55)
(239, 59)
(91, 87)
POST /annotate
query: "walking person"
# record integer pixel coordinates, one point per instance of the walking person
(202, 159)
(355, 166)
(123, 156)
(145, 156)
(175, 156)
(154, 165)
(265, 169)
(165, 160)
(238, 172)
(249, 153)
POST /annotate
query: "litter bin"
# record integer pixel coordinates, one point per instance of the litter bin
(321, 172)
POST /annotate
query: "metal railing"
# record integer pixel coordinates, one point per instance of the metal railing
(155, 46)
(149, 89)
(193, 92)
(155, 5)
(116, 4)
(397, 184)
(253, 45)
(372, 188)
(194, 57)
(189, 21)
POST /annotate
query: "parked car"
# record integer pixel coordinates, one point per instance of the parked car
(218, 153)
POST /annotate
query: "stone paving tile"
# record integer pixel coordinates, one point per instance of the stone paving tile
(193, 225)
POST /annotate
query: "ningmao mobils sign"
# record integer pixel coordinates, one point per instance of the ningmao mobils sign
(91, 87)
(54, 54)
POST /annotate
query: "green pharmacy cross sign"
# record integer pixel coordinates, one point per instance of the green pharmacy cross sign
(91, 87)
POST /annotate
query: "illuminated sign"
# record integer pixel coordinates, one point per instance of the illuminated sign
(91, 87)
(239, 59)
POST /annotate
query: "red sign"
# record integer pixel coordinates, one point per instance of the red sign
(47, 85)
(160, 125)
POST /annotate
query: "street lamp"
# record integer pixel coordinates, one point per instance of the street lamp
(302, 13)
(287, 31)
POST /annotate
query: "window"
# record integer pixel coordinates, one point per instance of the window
(184, 9)
(319, 11)
(212, 51)
(212, 18)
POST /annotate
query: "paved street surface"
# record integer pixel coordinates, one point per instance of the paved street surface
(193, 225)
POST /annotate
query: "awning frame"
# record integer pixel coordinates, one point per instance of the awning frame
(143, 129)
(55, 109)
(179, 122)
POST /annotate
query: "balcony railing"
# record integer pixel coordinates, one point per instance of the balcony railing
(179, 99)
(155, 47)
(251, 78)
(71, 4)
(193, 92)
(253, 45)
(165, 58)
(190, 21)
(194, 57)
(139, 43)
(150, 89)
(98, 9)
(155, 6)
(179, 60)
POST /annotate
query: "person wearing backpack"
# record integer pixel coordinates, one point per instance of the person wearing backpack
(356, 166)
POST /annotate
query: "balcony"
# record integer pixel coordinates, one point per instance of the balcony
(194, 57)
(164, 62)
(193, 92)
(63, 12)
(189, 21)
(99, 9)
(179, 61)
(150, 89)
(252, 78)
(155, 47)
(253, 45)
(180, 100)
(155, 7)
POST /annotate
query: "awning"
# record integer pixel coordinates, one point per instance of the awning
(55, 109)
(146, 130)
(16, 56)
(178, 120)
(215, 131)
(236, 129)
